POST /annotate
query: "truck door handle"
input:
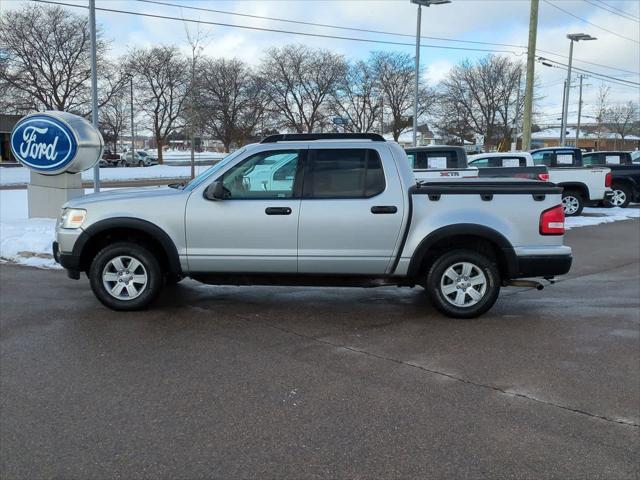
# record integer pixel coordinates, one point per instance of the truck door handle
(382, 209)
(278, 211)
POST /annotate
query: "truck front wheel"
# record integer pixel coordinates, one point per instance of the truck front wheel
(125, 276)
(463, 283)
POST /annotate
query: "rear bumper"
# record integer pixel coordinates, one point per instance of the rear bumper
(541, 266)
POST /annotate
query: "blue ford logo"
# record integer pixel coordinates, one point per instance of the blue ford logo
(43, 143)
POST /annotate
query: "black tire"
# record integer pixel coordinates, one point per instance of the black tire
(150, 267)
(572, 202)
(140, 163)
(122, 163)
(444, 302)
(622, 196)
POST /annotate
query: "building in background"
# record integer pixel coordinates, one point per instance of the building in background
(590, 139)
(7, 122)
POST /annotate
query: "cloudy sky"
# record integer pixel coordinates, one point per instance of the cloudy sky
(615, 23)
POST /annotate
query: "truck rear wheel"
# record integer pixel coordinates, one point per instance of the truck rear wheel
(463, 283)
(572, 202)
(125, 276)
(621, 196)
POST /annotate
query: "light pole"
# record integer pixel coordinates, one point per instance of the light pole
(94, 87)
(420, 3)
(573, 37)
(133, 144)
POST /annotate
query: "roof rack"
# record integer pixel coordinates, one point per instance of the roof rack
(292, 137)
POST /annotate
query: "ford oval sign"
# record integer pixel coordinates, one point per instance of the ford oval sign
(43, 143)
(55, 142)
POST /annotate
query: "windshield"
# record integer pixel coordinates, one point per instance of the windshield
(213, 169)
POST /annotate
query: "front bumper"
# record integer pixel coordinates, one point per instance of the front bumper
(541, 266)
(69, 261)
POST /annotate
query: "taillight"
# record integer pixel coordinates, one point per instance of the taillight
(607, 180)
(543, 176)
(552, 221)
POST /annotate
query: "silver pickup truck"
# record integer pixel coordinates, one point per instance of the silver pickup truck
(321, 210)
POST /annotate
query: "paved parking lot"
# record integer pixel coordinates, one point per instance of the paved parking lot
(220, 382)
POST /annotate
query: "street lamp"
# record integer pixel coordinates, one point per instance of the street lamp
(420, 3)
(133, 144)
(574, 37)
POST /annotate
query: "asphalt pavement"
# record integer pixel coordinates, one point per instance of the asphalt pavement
(270, 382)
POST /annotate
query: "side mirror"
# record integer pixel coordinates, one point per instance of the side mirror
(215, 191)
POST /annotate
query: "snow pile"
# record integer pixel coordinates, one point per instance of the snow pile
(20, 175)
(596, 216)
(28, 242)
(23, 240)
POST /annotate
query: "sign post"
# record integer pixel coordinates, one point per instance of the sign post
(56, 147)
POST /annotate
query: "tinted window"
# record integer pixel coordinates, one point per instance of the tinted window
(436, 160)
(591, 159)
(542, 158)
(480, 163)
(412, 159)
(344, 173)
(265, 175)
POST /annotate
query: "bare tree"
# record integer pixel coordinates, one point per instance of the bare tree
(620, 119)
(600, 111)
(396, 73)
(161, 75)
(452, 121)
(113, 118)
(357, 98)
(194, 120)
(299, 80)
(485, 94)
(234, 100)
(46, 62)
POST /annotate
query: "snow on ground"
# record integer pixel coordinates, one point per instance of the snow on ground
(20, 175)
(28, 241)
(596, 216)
(185, 155)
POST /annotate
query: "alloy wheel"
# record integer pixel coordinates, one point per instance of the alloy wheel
(463, 284)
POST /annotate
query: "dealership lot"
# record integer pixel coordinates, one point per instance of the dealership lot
(309, 383)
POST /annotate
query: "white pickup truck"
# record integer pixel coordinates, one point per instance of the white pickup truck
(582, 185)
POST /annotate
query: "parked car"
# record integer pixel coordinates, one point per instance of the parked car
(439, 161)
(140, 159)
(582, 185)
(349, 214)
(109, 159)
(451, 161)
(508, 164)
(625, 181)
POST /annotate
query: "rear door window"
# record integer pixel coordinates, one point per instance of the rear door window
(612, 159)
(565, 158)
(542, 158)
(511, 162)
(343, 173)
(480, 163)
(436, 160)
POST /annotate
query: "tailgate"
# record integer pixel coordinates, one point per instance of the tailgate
(530, 173)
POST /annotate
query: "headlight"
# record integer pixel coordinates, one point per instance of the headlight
(72, 217)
